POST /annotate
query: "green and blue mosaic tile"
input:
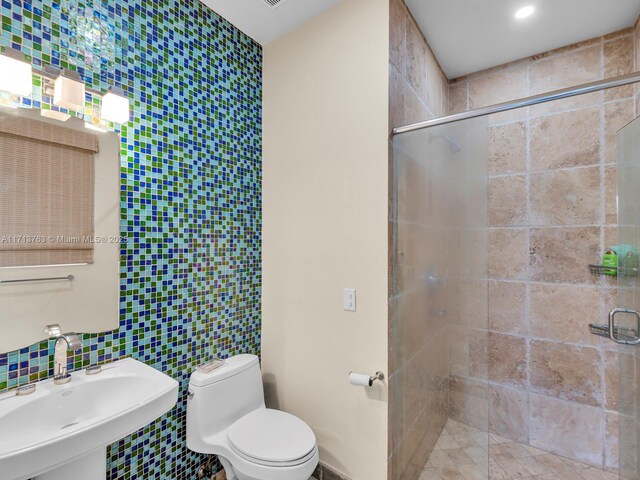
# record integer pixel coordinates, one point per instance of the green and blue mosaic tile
(191, 194)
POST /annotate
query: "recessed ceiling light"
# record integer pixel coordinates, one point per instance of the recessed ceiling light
(525, 12)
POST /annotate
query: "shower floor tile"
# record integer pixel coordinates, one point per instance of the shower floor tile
(462, 453)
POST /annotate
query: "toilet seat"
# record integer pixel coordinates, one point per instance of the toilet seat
(272, 438)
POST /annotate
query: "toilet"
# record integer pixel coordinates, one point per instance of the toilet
(227, 417)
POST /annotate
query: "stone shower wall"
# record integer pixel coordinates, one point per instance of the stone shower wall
(552, 211)
(191, 194)
(418, 88)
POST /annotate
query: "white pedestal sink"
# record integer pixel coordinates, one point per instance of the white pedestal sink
(62, 431)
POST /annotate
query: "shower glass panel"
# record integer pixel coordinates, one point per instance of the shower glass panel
(439, 307)
(629, 297)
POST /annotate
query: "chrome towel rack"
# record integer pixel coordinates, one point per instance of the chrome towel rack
(47, 279)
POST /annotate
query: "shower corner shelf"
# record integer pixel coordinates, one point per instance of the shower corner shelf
(597, 269)
(619, 332)
(599, 330)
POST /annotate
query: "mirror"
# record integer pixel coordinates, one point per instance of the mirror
(59, 227)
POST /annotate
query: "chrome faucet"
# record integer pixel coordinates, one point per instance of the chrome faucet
(67, 342)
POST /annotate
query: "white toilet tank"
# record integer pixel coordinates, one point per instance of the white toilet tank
(218, 398)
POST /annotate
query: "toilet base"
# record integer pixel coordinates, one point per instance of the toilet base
(250, 471)
(228, 468)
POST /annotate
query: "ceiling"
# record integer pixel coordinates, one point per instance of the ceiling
(263, 23)
(471, 35)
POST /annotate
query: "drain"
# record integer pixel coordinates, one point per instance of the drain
(70, 425)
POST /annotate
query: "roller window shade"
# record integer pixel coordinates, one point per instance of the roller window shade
(47, 194)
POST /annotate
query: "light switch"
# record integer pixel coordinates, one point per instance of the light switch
(350, 299)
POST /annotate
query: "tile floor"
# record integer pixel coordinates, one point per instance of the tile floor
(462, 453)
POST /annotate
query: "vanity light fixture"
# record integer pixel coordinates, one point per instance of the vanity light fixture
(115, 106)
(68, 90)
(94, 127)
(16, 78)
(15, 73)
(56, 115)
(525, 12)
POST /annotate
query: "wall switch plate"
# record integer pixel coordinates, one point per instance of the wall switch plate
(350, 299)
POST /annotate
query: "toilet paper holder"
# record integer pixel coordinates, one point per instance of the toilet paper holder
(378, 376)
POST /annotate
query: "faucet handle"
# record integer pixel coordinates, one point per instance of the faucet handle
(73, 341)
(53, 331)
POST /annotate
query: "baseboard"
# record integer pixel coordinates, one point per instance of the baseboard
(322, 472)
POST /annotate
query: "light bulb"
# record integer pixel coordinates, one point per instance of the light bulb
(115, 106)
(68, 91)
(15, 73)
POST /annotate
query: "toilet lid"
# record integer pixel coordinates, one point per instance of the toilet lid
(271, 436)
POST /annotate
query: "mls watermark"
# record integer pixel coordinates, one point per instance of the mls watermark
(60, 239)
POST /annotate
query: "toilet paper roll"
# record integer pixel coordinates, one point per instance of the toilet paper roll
(359, 379)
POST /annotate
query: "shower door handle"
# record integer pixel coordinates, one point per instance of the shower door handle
(615, 333)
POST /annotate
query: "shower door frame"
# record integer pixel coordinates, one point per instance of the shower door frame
(585, 88)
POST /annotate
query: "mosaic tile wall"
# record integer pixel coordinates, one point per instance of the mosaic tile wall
(191, 194)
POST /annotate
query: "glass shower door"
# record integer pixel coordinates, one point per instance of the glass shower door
(439, 318)
(624, 322)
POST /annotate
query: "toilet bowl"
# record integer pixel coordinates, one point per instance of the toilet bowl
(227, 417)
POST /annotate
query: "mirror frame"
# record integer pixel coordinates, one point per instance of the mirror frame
(89, 303)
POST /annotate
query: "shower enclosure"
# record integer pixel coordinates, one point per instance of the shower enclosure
(629, 298)
(447, 360)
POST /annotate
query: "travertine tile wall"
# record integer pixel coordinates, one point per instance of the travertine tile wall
(417, 90)
(552, 211)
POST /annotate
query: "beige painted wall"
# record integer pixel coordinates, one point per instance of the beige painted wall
(325, 228)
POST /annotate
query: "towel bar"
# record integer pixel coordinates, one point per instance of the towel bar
(68, 277)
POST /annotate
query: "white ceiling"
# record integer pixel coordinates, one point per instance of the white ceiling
(471, 35)
(263, 23)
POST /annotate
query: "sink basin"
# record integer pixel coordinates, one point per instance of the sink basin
(62, 431)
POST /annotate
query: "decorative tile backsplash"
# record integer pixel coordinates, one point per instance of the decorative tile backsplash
(191, 194)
